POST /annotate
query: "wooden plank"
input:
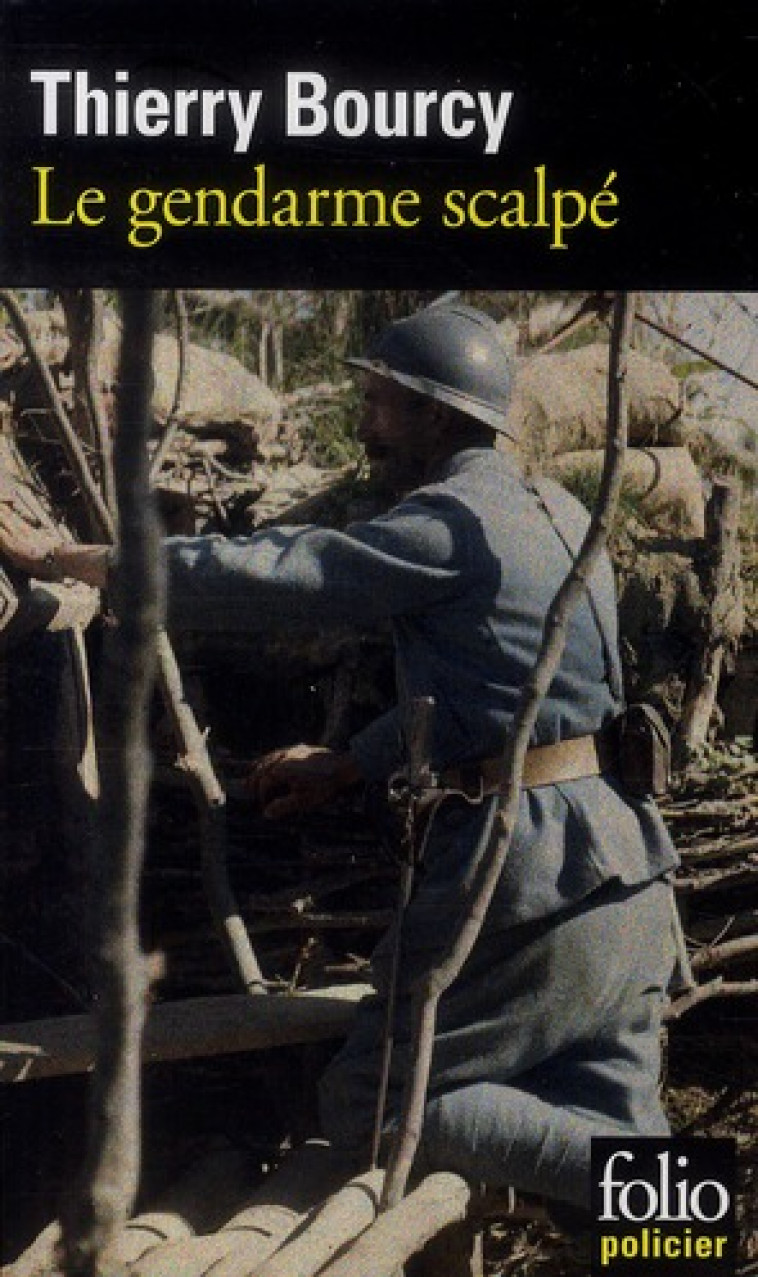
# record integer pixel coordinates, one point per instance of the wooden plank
(187, 1029)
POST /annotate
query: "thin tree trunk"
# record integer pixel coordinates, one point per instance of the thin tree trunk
(105, 1198)
(489, 868)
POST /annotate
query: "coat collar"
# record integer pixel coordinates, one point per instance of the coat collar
(473, 458)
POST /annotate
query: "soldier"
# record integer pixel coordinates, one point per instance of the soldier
(551, 1032)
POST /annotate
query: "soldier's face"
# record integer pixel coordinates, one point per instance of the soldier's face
(398, 430)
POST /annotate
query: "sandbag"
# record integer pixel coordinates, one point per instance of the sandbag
(665, 482)
(559, 401)
(218, 387)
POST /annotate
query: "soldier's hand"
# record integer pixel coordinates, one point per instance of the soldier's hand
(290, 782)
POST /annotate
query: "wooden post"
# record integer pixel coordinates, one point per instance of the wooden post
(723, 593)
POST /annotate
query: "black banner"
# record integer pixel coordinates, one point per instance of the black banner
(418, 144)
(663, 1207)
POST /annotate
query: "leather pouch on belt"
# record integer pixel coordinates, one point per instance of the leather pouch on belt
(643, 749)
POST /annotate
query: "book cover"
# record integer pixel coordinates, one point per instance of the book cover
(286, 180)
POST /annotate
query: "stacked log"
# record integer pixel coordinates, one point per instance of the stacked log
(186, 1029)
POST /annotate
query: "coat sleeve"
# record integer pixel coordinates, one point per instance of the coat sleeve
(414, 557)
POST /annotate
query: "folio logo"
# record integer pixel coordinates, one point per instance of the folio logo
(663, 1206)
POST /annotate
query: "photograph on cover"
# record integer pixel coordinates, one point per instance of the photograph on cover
(380, 703)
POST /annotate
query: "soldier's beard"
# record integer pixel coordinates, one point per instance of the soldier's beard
(394, 472)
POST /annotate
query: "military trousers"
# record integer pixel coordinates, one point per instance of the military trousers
(550, 1035)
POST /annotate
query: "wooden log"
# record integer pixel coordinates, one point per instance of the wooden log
(264, 1228)
(339, 1221)
(440, 1200)
(270, 1214)
(182, 1030)
(197, 1202)
(716, 881)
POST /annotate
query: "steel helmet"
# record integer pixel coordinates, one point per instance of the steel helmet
(449, 352)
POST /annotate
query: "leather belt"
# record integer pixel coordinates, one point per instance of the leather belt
(545, 765)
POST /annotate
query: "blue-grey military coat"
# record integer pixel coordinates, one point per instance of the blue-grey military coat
(464, 569)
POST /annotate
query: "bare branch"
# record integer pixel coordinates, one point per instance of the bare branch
(211, 803)
(84, 312)
(190, 1028)
(697, 350)
(172, 423)
(95, 400)
(718, 988)
(719, 955)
